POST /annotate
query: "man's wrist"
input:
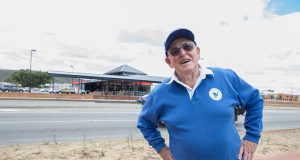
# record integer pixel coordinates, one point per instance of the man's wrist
(163, 149)
(166, 154)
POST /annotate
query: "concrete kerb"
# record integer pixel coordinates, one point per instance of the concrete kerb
(68, 99)
(282, 107)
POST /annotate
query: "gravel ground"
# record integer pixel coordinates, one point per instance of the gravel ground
(272, 143)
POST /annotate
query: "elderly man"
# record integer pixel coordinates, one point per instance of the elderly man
(197, 105)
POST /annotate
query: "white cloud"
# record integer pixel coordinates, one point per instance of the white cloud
(96, 36)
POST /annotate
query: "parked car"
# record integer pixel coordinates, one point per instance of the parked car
(9, 87)
(39, 90)
(24, 89)
(44, 90)
(53, 91)
(84, 91)
(142, 99)
(238, 111)
(67, 91)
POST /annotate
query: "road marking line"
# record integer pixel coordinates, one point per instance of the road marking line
(93, 120)
(16, 112)
(9, 110)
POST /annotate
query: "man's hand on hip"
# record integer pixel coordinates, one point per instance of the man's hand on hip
(166, 154)
(247, 150)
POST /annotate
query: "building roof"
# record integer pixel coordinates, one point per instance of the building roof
(125, 69)
(145, 78)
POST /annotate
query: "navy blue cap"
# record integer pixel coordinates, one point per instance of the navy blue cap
(178, 33)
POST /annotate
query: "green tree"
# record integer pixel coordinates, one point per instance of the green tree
(38, 78)
(21, 77)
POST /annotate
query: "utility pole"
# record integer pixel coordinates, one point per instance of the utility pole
(30, 79)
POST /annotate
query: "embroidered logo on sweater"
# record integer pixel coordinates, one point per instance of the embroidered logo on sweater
(215, 94)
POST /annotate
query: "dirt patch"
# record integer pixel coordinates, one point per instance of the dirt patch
(272, 142)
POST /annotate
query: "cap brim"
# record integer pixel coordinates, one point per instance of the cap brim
(179, 33)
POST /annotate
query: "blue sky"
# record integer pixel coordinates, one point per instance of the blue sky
(284, 7)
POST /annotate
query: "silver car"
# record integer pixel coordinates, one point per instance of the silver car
(9, 87)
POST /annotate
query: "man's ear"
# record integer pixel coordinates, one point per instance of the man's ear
(198, 52)
(167, 60)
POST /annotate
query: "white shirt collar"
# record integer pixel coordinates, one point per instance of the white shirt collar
(203, 72)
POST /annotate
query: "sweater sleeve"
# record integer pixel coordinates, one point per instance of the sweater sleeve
(148, 123)
(252, 102)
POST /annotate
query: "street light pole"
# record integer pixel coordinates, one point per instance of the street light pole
(30, 80)
(72, 75)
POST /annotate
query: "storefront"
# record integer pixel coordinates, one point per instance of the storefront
(123, 80)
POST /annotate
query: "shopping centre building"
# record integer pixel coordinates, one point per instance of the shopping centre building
(119, 81)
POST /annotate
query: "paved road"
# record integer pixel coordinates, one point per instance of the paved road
(27, 125)
(280, 118)
(47, 121)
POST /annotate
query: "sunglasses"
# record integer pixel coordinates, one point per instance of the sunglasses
(177, 49)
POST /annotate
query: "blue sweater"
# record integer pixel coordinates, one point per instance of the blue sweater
(202, 128)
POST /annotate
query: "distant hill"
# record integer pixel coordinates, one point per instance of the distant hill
(63, 80)
(5, 75)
